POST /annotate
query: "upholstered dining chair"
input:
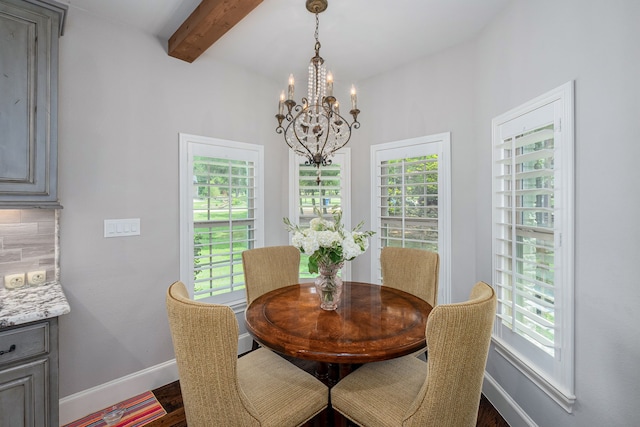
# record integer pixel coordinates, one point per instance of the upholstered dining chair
(218, 388)
(269, 268)
(414, 271)
(445, 390)
(411, 270)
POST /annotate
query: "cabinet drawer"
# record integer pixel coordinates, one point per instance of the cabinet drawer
(29, 341)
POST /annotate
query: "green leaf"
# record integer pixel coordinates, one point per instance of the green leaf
(313, 263)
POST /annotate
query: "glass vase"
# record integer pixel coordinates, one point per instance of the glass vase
(329, 285)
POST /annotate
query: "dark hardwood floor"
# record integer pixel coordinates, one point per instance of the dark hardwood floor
(170, 398)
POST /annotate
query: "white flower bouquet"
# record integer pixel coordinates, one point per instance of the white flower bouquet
(328, 242)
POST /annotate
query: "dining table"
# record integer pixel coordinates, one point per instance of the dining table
(371, 323)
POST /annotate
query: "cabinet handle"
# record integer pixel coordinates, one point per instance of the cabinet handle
(12, 348)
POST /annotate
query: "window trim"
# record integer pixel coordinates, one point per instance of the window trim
(560, 384)
(187, 141)
(443, 141)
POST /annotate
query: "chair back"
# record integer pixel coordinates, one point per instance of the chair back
(411, 270)
(269, 268)
(205, 341)
(458, 337)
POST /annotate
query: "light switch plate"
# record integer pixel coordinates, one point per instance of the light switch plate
(121, 227)
(36, 277)
(14, 281)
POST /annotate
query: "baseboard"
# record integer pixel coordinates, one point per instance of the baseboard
(78, 405)
(512, 413)
(245, 343)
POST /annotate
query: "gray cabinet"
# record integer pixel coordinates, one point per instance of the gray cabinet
(29, 31)
(29, 375)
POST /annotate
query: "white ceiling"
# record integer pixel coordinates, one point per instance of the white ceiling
(360, 38)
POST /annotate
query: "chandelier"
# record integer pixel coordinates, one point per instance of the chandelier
(315, 129)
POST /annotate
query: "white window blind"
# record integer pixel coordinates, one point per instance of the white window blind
(306, 194)
(525, 255)
(533, 240)
(409, 202)
(411, 182)
(222, 205)
(223, 223)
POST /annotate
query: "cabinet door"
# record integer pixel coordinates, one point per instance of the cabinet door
(28, 105)
(23, 400)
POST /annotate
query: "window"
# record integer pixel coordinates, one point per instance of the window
(533, 240)
(221, 215)
(412, 200)
(333, 191)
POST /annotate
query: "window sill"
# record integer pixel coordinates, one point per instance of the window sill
(563, 399)
(238, 306)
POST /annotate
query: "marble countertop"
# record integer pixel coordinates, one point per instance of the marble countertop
(31, 303)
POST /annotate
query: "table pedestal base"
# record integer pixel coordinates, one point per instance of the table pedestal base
(331, 373)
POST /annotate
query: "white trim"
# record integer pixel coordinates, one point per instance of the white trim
(566, 399)
(557, 379)
(245, 343)
(186, 226)
(443, 141)
(444, 204)
(187, 144)
(508, 408)
(83, 403)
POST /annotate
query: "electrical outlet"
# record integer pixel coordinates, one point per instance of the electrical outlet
(36, 277)
(13, 281)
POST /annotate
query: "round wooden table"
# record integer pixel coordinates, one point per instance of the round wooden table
(371, 323)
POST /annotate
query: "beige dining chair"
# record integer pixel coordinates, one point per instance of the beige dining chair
(411, 270)
(218, 388)
(445, 390)
(269, 268)
(414, 271)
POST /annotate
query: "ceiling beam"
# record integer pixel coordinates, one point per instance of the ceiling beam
(206, 24)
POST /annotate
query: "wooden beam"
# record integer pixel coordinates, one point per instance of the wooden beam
(208, 22)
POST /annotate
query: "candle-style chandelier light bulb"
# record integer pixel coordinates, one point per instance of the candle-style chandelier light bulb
(314, 128)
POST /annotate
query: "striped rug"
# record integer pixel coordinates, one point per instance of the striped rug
(139, 410)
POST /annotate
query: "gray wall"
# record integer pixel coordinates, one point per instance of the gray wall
(123, 102)
(531, 48)
(428, 97)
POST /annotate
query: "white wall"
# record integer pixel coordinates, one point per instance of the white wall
(531, 48)
(123, 102)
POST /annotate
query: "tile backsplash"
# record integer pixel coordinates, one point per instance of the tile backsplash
(28, 242)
